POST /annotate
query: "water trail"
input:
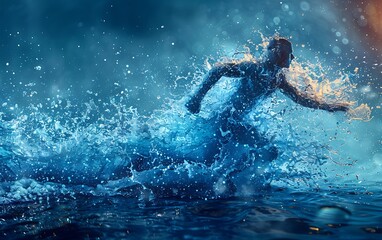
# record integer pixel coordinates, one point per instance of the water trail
(106, 147)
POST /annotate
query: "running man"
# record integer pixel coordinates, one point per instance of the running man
(258, 80)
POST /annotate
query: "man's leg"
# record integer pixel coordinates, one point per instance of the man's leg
(249, 135)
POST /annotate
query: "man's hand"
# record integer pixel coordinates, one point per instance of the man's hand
(193, 105)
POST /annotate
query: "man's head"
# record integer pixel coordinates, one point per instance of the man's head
(280, 52)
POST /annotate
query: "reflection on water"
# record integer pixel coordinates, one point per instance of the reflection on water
(333, 215)
(277, 213)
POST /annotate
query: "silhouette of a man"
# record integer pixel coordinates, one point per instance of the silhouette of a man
(258, 80)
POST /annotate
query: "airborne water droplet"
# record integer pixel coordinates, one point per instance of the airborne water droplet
(276, 20)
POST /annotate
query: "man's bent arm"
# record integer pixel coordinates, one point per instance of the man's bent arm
(304, 100)
(233, 70)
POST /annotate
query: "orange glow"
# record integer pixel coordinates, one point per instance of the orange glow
(374, 16)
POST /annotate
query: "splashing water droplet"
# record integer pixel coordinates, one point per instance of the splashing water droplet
(276, 20)
(304, 6)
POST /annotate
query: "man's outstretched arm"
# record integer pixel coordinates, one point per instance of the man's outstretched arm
(303, 99)
(233, 70)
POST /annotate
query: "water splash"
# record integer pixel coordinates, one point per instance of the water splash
(111, 149)
(314, 82)
(361, 113)
(107, 147)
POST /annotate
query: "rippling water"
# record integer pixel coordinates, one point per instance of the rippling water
(348, 212)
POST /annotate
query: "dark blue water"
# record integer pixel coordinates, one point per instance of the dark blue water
(96, 142)
(339, 213)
